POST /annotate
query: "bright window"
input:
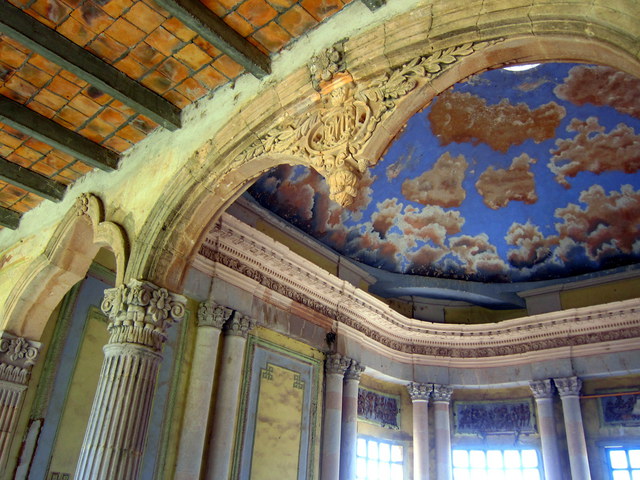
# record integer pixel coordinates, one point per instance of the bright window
(494, 464)
(379, 460)
(624, 463)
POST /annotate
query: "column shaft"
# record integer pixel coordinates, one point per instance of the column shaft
(349, 435)
(441, 397)
(420, 393)
(543, 394)
(336, 366)
(569, 389)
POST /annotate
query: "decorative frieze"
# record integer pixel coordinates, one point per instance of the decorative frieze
(336, 364)
(541, 388)
(441, 393)
(420, 391)
(239, 325)
(569, 386)
(210, 314)
(140, 313)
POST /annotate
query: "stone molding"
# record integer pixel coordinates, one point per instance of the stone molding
(239, 325)
(541, 388)
(568, 387)
(140, 313)
(441, 393)
(336, 364)
(210, 314)
(419, 391)
(245, 257)
(17, 356)
(354, 371)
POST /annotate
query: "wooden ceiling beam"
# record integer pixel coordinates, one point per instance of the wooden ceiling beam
(31, 181)
(209, 26)
(63, 52)
(41, 128)
(9, 218)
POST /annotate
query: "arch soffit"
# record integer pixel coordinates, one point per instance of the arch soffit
(64, 262)
(249, 145)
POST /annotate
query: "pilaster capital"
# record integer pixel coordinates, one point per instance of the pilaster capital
(541, 388)
(569, 386)
(441, 393)
(140, 313)
(239, 325)
(17, 356)
(419, 391)
(336, 363)
(210, 314)
(354, 371)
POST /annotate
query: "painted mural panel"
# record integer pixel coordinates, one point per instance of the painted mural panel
(379, 408)
(621, 410)
(506, 177)
(487, 418)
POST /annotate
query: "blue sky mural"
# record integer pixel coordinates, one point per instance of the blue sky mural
(508, 176)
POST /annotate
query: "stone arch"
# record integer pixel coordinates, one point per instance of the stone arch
(64, 262)
(176, 225)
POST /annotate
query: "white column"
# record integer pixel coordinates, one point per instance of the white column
(335, 367)
(17, 356)
(569, 390)
(349, 433)
(543, 393)
(441, 397)
(419, 393)
(211, 318)
(139, 315)
(223, 432)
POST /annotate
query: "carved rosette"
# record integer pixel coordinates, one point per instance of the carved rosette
(354, 371)
(210, 314)
(569, 386)
(140, 313)
(336, 363)
(419, 391)
(441, 393)
(326, 64)
(239, 325)
(541, 388)
(17, 356)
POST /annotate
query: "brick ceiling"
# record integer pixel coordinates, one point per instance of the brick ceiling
(145, 42)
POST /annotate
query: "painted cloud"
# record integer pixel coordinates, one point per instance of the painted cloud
(442, 185)
(499, 187)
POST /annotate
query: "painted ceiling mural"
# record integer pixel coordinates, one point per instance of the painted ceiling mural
(507, 177)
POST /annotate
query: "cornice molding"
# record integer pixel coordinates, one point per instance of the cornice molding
(258, 260)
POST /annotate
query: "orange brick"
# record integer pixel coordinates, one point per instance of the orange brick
(228, 67)
(84, 105)
(147, 55)
(121, 107)
(10, 140)
(216, 7)
(125, 33)
(112, 116)
(40, 18)
(191, 89)
(12, 95)
(173, 70)
(4, 150)
(297, 21)
(96, 95)
(55, 162)
(115, 8)
(239, 24)
(72, 116)
(131, 67)
(193, 56)
(18, 160)
(116, 143)
(11, 56)
(321, 9)
(130, 133)
(163, 41)
(144, 124)
(143, 17)
(43, 169)
(176, 27)
(92, 17)
(34, 75)
(16, 133)
(272, 36)
(50, 99)
(28, 153)
(257, 12)
(229, 4)
(100, 126)
(20, 87)
(69, 175)
(92, 135)
(73, 79)
(81, 167)
(51, 9)
(41, 109)
(210, 77)
(44, 64)
(106, 47)
(63, 87)
(156, 82)
(177, 99)
(38, 145)
(212, 51)
(281, 5)
(15, 44)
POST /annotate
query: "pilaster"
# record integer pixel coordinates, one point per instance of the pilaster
(335, 367)
(441, 397)
(349, 435)
(420, 393)
(569, 390)
(542, 391)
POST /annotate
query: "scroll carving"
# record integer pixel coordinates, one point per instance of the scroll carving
(332, 136)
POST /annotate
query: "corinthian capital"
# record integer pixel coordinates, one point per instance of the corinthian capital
(354, 371)
(419, 391)
(239, 325)
(210, 314)
(541, 388)
(441, 393)
(336, 363)
(141, 312)
(17, 356)
(569, 386)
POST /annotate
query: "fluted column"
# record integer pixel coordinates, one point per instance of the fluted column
(17, 356)
(569, 390)
(211, 318)
(441, 396)
(349, 434)
(139, 315)
(236, 330)
(335, 367)
(419, 393)
(543, 393)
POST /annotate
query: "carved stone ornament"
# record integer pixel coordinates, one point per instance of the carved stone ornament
(354, 371)
(140, 313)
(210, 314)
(332, 136)
(336, 363)
(419, 391)
(239, 325)
(441, 393)
(568, 387)
(326, 64)
(541, 388)
(17, 356)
